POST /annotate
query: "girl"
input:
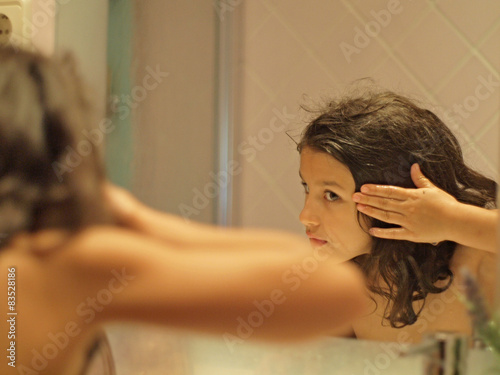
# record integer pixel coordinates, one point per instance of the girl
(375, 138)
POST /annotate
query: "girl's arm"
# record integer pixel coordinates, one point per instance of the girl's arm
(182, 233)
(267, 293)
(427, 214)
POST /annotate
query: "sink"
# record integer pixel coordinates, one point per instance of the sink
(149, 350)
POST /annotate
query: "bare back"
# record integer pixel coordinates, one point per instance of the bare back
(49, 336)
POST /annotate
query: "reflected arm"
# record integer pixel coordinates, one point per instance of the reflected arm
(474, 227)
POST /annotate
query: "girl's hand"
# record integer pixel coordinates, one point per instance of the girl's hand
(424, 214)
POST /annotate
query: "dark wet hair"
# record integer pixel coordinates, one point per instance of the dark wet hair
(378, 135)
(50, 174)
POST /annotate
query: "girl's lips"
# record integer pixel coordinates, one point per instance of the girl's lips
(316, 242)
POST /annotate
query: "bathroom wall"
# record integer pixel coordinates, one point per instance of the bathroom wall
(174, 132)
(292, 52)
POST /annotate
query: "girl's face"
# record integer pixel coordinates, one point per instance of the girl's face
(329, 213)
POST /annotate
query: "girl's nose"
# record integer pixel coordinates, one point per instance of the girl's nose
(308, 216)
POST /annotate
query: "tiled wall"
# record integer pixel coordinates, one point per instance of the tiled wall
(294, 51)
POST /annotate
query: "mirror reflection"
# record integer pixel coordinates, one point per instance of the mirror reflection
(422, 51)
(418, 56)
(287, 57)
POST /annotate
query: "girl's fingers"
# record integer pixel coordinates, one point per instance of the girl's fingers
(377, 202)
(391, 233)
(418, 177)
(383, 215)
(385, 191)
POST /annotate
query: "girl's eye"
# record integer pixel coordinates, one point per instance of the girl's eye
(330, 196)
(306, 188)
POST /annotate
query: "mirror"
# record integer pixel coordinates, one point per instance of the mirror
(290, 54)
(282, 54)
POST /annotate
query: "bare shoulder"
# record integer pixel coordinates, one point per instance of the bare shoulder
(466, 256)
(482, 264)
(55, 262)
(486, 275)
